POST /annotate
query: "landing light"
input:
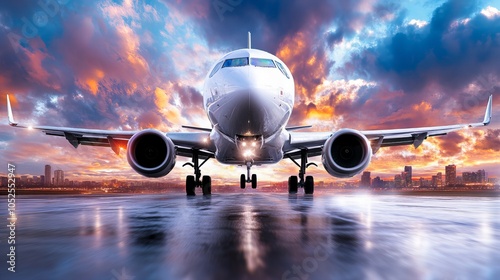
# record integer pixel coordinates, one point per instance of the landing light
(30, 127)
(248, 153)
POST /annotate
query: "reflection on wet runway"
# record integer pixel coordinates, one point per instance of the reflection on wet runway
(256, 236)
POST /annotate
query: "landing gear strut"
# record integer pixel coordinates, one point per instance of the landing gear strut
(244, 180)
(194, 181)
(308, 182)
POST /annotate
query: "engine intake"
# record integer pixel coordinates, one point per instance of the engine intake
(151, 153)
(346, 153)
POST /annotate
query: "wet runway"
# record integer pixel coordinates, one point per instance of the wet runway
(254, 236)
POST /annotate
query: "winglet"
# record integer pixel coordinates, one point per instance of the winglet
(9, 112)
(487, 114)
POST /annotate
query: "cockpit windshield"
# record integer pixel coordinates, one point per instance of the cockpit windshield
(235, 62)
(262, 62)
(254, 61)
(282, 69)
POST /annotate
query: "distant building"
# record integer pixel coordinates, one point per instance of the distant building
(398, 181)
(408, 177)
(58, 178)
(24, 179)
(481, 176)
(451, 174)
(478, 177)
(439, 180)
(4, 181)
(48, 175)
(469, 177)
(365, 180)
(377, 183)
(423, 182)
(434, 180)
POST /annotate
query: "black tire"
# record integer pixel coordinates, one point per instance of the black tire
(309, 185)
(293, 184)
(206, 184)
(243, 181)
(254, 181)
(190, 185)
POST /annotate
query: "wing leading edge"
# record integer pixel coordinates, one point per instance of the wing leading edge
(117, 140)
(383, 138)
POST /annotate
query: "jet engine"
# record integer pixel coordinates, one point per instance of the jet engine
(151, 153)
(346, 153)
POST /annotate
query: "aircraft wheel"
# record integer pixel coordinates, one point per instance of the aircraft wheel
(243, 181)
(254, 181)
(293, 184)
(206, 184)
(309, 185)
(190, 185)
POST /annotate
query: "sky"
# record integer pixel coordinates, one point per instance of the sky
(361, 64)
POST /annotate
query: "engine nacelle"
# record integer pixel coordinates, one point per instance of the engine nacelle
(346, 153)
(151, 153)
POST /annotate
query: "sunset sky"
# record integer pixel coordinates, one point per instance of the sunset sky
(127, 65)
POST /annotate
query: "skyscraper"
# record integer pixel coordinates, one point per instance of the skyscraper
(365, 180)
(397, 181)
(58, 178)
(408, 177)
(451, 174)
(481, 176)
(48, 176)
(439, 179)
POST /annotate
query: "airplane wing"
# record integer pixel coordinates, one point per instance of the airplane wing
(117, 140)
(313, 141)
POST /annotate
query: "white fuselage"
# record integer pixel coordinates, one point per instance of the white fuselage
(249, 96)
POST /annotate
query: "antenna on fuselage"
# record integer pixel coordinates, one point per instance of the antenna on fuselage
(249, 40)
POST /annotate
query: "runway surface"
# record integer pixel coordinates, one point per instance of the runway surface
(254, 236)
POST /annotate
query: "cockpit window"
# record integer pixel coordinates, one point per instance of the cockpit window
(216, 68)
(282, 68)
(262, 62)
(235, 62)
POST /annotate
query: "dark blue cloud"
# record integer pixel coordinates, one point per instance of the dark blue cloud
(448, 52)
(271, 21)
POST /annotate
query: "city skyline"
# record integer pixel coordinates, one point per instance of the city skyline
(362, 178)
(403, 180)
(130, 66)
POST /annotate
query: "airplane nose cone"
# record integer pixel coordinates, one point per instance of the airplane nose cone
(249, 106)
(251, 110)
(255, 111)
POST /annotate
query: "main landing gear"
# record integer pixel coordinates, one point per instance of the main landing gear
(244, 180)
(194, 181)
(293, 181)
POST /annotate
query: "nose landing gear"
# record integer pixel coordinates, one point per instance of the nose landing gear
(244, 180)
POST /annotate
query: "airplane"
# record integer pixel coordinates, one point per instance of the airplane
(248, 97)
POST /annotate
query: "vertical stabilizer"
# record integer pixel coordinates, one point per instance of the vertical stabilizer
(249, 40)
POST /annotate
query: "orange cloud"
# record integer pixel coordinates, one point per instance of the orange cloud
(307, 64)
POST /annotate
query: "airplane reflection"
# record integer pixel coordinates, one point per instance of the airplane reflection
(249, 239)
